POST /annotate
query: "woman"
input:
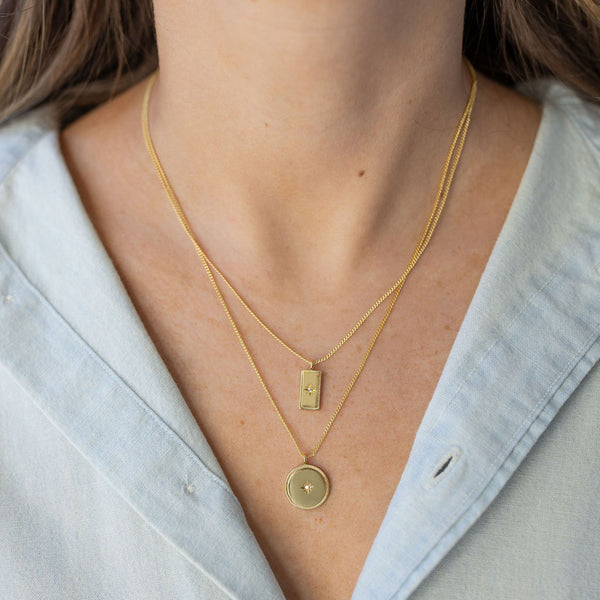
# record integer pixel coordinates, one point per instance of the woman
(152, 442)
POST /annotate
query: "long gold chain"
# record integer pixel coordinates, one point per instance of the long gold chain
(452, 160)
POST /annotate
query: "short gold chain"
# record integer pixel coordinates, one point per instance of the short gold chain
(448, 171)
(241, 299)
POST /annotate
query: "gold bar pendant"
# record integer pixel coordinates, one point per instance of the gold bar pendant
(310, 390)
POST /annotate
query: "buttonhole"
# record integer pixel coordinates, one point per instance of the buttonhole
(443, 467)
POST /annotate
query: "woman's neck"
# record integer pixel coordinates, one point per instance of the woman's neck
(306, 130)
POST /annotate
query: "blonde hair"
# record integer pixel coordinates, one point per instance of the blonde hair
(516, 40)
(79, 53)
(76, 53)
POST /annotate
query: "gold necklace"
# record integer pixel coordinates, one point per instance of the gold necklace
(310, 379)
(307, 486)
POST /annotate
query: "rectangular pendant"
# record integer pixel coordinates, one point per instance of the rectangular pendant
(310, 390)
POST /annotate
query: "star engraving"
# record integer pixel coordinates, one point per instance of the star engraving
(307, 487)
(310, 390)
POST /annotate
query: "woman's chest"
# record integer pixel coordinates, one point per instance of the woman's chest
(257, 431)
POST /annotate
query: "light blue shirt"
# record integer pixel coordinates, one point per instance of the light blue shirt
(108, 490)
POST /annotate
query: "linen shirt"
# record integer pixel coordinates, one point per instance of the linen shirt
(108, 490)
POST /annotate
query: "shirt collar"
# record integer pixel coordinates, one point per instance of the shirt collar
(528, 339)
(48, 233)
(75, 343)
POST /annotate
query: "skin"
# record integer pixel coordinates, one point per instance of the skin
(305, 141)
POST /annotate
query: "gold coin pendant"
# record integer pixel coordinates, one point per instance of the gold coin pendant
(306, 487)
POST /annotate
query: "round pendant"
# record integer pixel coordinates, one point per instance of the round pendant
(306, 487)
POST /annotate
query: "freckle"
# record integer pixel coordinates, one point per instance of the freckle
(266, 124)
(242, 422)
(447, 327)
(361, 173)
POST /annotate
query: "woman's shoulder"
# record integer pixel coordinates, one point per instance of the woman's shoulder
(20, 134)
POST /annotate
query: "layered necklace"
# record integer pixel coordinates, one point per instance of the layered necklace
(307, 486)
